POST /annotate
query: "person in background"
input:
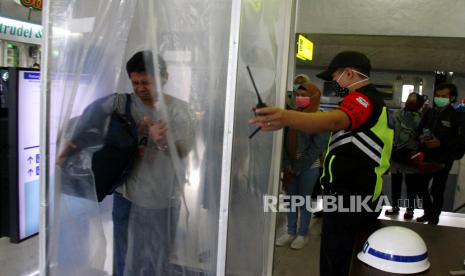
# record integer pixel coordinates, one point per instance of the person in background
(36, 65)
(406, 145)
(460, 106)
(351, 169)
(299, 80)
(301, 166)
(290, 102)
(443, 139)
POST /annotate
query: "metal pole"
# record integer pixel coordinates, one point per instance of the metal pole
(228, 137)
(286, 59)
(44, 141)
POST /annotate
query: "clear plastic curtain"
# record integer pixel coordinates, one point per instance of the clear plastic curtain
(84, 65)
(171, 224)
(261, 47)
(89, 45)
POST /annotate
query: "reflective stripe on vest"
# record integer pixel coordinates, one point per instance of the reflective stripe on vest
(324, 160)
(352, 139)
(378, 152)
(386, 134)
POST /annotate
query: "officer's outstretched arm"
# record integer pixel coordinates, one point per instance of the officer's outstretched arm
(273, 118)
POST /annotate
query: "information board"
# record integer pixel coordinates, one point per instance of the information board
(28, 152)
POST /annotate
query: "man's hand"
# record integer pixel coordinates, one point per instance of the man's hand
(432, 143)
(157, 130)
(269, 118)
(65, 153)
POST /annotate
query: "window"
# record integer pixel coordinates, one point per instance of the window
(406, 90)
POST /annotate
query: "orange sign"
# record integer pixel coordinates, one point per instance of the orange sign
(35, 4)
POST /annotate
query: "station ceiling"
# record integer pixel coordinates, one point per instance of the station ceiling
(397, 53)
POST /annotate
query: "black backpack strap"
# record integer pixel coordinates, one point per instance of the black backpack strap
(127, 109)
(128, 116)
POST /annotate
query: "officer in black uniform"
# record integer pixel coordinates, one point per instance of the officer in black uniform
(358, 153)
(442, 131)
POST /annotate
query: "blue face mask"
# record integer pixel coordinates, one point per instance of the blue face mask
(441, 102)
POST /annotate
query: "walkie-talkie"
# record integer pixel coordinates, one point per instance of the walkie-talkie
(260, 103)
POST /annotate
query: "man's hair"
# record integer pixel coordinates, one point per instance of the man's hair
(142, 62)
(420, 99)
(452, 90)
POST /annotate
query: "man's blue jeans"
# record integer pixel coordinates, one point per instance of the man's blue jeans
(120, 214)
(302, 186)
(151, 235)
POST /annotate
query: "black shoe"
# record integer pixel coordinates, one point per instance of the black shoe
(408, 215)
(433, 221)
(422, 219)
(393, 211)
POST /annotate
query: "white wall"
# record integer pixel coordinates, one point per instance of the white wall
(460, 188)
(443, 18)
(459, 81)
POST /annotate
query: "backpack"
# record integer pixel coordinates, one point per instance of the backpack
(111, 163)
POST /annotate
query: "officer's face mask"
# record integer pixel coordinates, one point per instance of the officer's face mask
(342, 91)
(441, 102)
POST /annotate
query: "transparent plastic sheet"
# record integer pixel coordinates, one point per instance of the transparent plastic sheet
(261, 47)
(84, 66)
(179, 236)
(90, 44)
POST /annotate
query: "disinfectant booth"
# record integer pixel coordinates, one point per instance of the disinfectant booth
(215, 221)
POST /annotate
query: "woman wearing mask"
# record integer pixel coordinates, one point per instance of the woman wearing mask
(301, 164)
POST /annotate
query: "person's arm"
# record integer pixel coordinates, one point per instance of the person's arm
(68, 150)
(352, 112)
(87, 129)
(274, 118)
(456, 146)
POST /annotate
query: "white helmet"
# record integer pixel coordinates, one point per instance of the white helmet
(395, 249)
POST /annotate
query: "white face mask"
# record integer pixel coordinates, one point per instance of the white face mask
(367, 78)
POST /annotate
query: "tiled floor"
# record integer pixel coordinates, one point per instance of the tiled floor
(305, 262)
(19, 259)
(22, 259)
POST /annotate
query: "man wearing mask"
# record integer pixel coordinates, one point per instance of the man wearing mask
(358, 153)
(407, 160)
(443, 138)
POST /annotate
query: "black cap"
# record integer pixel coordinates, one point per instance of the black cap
(352, 59)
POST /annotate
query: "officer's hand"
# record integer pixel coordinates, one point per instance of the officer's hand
(432, 143)
(157, 130)
(269, 118)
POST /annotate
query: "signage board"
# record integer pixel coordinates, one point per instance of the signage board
(304, 48)
(34, 4)
(20, 31)
(28, 150)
